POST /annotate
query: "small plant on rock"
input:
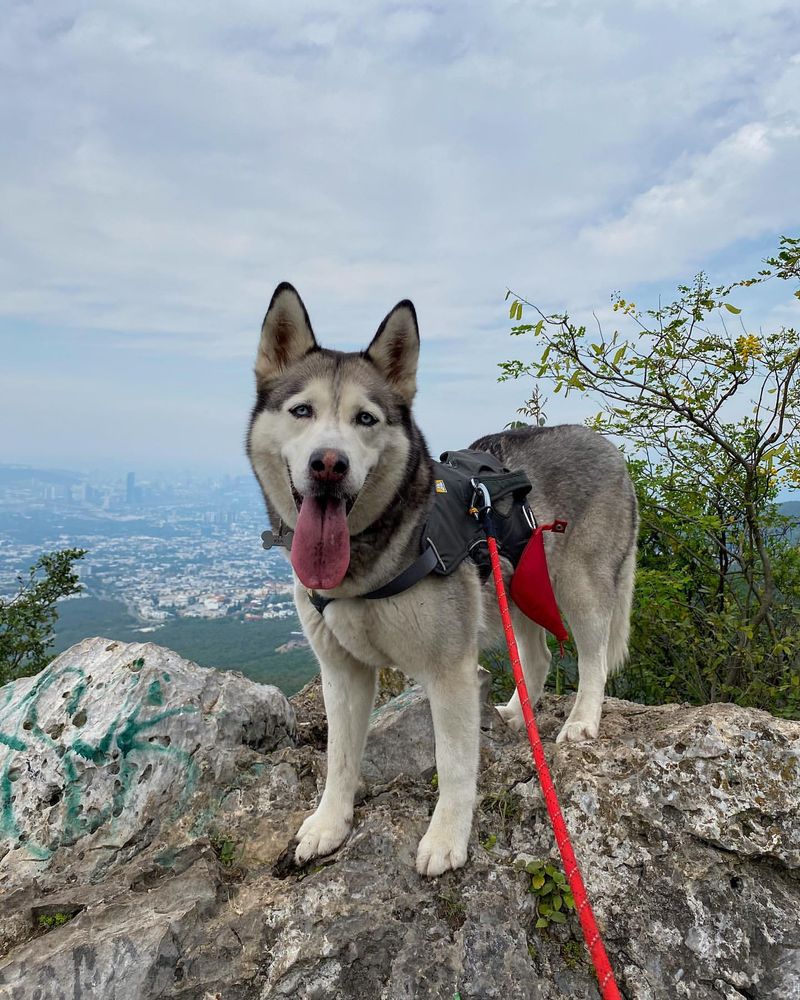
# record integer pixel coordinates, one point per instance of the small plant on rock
(553, 894)
(226, 849)
(450, 908)
(47, 921)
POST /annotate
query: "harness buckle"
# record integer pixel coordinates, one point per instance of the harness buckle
(527, 513)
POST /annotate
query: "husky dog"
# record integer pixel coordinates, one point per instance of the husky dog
(344, 467)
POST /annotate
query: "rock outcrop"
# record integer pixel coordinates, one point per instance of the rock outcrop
(147, 808)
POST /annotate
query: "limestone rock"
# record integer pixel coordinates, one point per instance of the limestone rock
(111, 742)
(685, 822)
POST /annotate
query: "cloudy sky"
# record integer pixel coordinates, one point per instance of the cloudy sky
(165, 165)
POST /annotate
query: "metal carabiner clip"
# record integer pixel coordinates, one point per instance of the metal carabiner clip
(480, 489)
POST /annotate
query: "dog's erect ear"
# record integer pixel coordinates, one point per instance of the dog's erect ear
(395, 349)
(286, 333)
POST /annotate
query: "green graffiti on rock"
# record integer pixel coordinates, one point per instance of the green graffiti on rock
(126, 747)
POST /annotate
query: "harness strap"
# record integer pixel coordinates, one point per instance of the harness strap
(412, 574)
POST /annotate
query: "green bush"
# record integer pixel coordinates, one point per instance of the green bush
(708, 415)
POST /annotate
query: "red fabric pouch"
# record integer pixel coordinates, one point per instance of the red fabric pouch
(531, 589)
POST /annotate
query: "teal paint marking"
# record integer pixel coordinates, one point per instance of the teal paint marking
(166, 859)
(77, 694)
(126, 730)
(201, 824)
(97, 754)
(43, 681)
(155, 696)
(9, 829)
(38, 853)
(127, 736)
(13, 741)
(127, 741)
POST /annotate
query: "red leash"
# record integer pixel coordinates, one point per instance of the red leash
(591, 933)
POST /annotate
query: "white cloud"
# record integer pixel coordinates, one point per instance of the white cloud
(738, 190)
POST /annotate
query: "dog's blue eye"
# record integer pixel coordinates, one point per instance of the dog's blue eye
(301, 410)
(366, 419)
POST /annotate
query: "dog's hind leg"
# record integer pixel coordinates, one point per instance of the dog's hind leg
(588, 608)
(535, 656)
(454, 696)
(348, 688)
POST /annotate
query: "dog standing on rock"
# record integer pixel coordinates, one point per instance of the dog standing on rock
(347, 477)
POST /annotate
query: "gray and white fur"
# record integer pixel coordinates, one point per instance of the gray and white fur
(309, 399)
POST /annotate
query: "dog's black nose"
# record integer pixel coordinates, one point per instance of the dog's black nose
(328, 465)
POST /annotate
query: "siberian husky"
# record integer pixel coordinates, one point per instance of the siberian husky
(344, 467)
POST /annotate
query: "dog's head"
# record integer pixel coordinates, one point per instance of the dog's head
(328, 437)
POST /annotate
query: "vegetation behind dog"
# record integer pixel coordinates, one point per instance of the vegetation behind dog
(708, 413)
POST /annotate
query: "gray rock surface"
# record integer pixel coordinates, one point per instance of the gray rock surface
(685, 822)
(109, 743)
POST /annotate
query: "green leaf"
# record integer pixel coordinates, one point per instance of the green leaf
(558, 918)
(731, 309)
(540, 923)
(619, 354)
(537, 881)
(512, 312)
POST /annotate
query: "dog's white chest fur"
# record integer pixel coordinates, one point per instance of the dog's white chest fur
(352, 625)
(402, 631)
(348, 624)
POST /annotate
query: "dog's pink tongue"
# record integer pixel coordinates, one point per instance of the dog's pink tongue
(321, 543)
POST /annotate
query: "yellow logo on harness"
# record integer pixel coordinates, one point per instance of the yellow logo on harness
(440, 487)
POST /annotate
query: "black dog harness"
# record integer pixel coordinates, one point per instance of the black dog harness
(453, 532)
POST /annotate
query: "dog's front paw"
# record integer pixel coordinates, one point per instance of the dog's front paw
(511, 714)
(575, 730)
(439, 851)
(322, 832)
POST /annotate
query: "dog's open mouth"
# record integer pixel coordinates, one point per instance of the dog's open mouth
(321, 541)
(298, 498)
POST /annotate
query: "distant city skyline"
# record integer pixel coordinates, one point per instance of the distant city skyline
(241, 478)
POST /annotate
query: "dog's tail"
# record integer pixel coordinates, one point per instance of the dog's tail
(621, 615)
